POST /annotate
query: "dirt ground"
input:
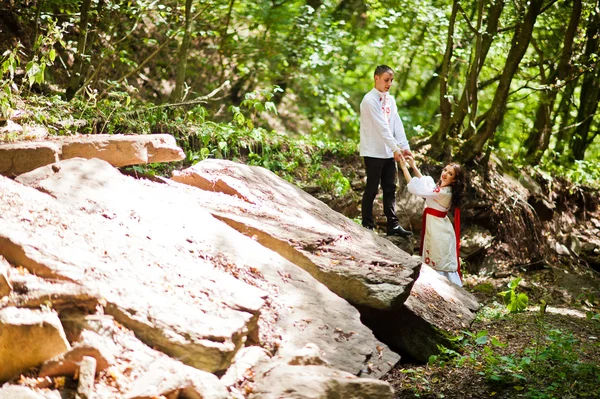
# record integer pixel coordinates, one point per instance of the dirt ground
(570, 295)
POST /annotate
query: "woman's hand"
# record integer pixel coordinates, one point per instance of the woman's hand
(411, 162)
(402, 162)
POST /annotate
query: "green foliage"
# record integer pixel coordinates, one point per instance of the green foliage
(515, 302)
(551, 367)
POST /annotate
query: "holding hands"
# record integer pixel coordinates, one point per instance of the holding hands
(407, 159)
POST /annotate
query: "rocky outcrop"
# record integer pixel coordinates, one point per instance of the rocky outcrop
(299, 310)
(117, 149)
(175, 300)
(356, 264)
(20, 392)
(27, 338)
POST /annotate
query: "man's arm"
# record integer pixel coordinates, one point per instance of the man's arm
(399, 133)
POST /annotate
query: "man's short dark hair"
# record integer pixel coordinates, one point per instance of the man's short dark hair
(381, 69)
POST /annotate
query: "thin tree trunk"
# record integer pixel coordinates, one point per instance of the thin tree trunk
(183, 53)
(491, 31)
(437, 140)
(563, 136)
(539, 138)
(76, 72)
(404, 77)
(472, 98)
(590, 90)
(519, 45)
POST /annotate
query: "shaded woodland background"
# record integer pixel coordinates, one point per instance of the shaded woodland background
(519, 78)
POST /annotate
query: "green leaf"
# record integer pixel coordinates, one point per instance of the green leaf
(519, 303)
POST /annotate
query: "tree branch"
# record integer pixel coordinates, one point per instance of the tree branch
(464, 14)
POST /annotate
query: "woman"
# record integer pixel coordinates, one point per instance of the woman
(440, 243)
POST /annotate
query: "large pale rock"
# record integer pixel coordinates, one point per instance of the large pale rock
(367, 270)
(123, 150)
(5, 284)
(19, 158)
(89, 344)
(300, 309)
(244, 360)
(351, 261)
(20, 392)
(28, 338)
(117, 149)
(34, 292)
(174, 299)
(142, 372)
(434, 310)
(277, 381)
(172, 379)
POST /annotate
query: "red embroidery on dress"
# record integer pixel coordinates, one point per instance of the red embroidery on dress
(436, 189)
(427, 260)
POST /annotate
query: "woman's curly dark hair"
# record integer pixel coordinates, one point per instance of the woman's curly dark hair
(458, 186)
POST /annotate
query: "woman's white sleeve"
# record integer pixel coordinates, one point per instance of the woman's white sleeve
(423, 187)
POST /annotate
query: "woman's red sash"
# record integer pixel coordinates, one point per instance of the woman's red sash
(441, 214)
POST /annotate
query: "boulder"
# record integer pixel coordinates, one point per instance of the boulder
(351, 261)
(299, 309)
(123, 150)
(27, 339)
(33, 292)
(434, 311)
(281, 380)
(22, 157)
(245, 359)
(117, 149)
(143, 372)
(173, 379)
(474, 240)
(89, 344)
(176, 300)
(19, 392)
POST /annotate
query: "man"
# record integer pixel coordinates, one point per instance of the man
(382, 143)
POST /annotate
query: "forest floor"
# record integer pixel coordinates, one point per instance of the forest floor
(516, 367)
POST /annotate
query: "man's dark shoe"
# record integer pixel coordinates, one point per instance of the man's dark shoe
(399, 231)
(369, 227)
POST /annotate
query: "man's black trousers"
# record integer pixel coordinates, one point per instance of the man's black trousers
(384, 171)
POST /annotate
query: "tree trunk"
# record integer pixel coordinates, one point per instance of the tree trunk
(563, 137)
(438, 139)
(183, 53)
(462, 109)
(77, 71)
(404, 77)
(590, 89)
(471, 86)
(519, 45)
(539, 138)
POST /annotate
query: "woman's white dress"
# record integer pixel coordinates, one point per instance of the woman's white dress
(439, 242)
